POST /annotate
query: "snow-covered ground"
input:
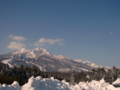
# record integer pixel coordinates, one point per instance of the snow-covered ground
(117, 82)
(39, 83)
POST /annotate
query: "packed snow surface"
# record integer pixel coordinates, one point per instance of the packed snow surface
(39, 83)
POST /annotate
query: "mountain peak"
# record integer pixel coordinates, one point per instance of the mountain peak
(61, 57)
(45, 61)
(41, 51)
(38, 49)
(23, 50)
(31, 53)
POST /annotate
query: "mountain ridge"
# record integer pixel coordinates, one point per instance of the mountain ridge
(45, 61)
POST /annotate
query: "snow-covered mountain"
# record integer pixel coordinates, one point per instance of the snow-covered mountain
(35, 53)
(45, 61)
(86, 62)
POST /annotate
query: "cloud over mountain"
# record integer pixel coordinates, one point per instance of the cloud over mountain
(43, 41)
(16, 45)
(17, 38)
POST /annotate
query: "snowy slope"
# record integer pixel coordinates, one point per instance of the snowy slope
(117, 82)
(86, 62)
(13, 62)
(39, 83)
(45, 61)
(61, 57)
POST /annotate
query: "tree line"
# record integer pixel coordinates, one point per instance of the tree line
(22, 74)
(109, 75)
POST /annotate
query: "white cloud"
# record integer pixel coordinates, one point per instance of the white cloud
(17, 38)
(43, 41)
(16, 45)
(111, 33)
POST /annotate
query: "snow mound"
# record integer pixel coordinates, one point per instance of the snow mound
(94, 85)
(117, 82)
(45, 84)
(39, 83)
(13, 86)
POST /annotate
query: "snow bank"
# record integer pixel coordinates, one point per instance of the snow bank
(13, 86)
(94, 85)
(39, 83)
(117, 82)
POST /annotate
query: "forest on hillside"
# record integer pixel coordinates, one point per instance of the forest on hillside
(22, 74)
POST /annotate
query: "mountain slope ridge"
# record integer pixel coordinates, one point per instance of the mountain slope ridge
(45, 61)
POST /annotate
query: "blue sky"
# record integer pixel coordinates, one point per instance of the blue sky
(78, 29)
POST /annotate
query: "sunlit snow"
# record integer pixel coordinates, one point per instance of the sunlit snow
(117, 82)
(39, 83)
